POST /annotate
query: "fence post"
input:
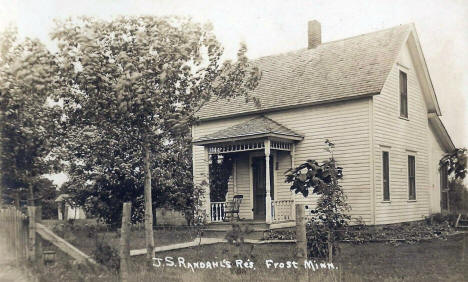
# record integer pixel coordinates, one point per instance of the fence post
(465, 237)
(125, 241)
(16, 234)
(21, 236)
(32, 231)
(301, 240)
(38, 243)
(330, 247)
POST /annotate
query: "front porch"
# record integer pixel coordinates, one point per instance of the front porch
(281, 211)
(257, 153)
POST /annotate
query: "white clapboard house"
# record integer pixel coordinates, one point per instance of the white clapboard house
(370, 94)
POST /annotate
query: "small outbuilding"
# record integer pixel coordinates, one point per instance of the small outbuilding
(67, 210)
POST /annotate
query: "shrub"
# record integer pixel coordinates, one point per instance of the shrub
(331, 211)
(317, 241)
(106, 254)
(280, 235)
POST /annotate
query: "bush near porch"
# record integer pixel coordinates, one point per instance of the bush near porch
(436, 226)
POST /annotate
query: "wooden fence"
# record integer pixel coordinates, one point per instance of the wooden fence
(24, 235)
(14, 228)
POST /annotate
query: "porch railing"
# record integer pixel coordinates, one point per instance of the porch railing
(217, 211)
(282, 210)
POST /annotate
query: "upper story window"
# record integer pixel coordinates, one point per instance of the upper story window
(403, 95)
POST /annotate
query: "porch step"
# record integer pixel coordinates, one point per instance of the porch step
(220, 229)
(255, 234)
(228, 225)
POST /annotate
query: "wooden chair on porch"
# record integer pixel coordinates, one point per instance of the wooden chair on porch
(232, 208)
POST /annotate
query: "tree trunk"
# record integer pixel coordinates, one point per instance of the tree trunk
(30, 195)
(17, 199)
(148, 205)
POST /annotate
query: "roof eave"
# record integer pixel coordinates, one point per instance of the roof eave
(425, 70)
(247, 137)
(441, 132)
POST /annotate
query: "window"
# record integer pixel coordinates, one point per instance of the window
(444, 177)
(385, 177)
(403, 95)
(411, 178)
(444, 187)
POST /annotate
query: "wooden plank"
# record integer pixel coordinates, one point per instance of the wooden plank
(32, 232)
(63, 245)
(125, 241)
(204, 241)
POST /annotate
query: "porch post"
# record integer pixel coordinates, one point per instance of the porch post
(206, 171)
(267, 181)
(293, 195)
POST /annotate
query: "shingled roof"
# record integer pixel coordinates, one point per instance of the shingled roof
(257, 127)
(335, 70)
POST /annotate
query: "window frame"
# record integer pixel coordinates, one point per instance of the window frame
(403, 110)
(385, 172)
(444, 177)
(444, 189)
(411, 178)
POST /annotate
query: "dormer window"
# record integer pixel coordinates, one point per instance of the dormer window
(403, 95)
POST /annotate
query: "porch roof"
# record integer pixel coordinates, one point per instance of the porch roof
(255, 128)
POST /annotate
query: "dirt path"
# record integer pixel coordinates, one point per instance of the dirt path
(8, 268)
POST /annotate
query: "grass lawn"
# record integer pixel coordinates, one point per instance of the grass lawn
(434, 260)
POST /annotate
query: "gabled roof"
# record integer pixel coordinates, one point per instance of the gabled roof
(333, 71)
(62, 197)
(255, 128)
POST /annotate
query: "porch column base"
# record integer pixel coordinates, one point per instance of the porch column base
(268, 210)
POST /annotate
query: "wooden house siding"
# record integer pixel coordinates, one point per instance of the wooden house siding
(345, 123)
(437, 152)
(401, 137)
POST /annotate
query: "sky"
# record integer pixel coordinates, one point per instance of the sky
(270, 27)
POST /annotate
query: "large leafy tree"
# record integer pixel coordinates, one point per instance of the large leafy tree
(27, 121)
(131, 88)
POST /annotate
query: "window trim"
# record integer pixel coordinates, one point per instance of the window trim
(400, 92)
(444, 177)
(388, 176)
(409, 179)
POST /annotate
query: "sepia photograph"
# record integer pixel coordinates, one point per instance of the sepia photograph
(218, 140)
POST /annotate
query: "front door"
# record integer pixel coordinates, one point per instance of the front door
(259, 186)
